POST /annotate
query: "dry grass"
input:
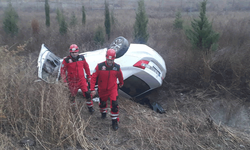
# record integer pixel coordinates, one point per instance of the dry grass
(41, 111)
(36, 109)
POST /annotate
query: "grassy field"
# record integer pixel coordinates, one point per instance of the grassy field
(41, 112)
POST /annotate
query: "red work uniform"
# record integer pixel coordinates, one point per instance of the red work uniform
(75, 74)
(106, 77)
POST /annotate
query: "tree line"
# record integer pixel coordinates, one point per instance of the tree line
(200, 34)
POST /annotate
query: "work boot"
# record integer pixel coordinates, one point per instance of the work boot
(114, 124)
(91, 109)
(104, 115)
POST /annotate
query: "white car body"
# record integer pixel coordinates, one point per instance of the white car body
(137, 80)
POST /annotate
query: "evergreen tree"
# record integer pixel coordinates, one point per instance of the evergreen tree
(202, 35)
(83, 16)
(140, 27)
(10, 21)
(107, 20)
(47, 9)
(112, 17)
(99, 36)
(58, 15)
(73, 20)
(178, 22)
(63, 26)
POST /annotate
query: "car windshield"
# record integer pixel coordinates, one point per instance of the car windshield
(134, 86)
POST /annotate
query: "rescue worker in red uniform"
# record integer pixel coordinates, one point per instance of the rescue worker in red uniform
(74, 65)
(106, 74)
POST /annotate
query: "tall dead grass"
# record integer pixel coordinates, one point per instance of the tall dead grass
(35, 109)
(176, 130)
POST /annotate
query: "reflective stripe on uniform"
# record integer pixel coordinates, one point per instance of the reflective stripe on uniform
(114, 115)
(89, 104)
(103, 110)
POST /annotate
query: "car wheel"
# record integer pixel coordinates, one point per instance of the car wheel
(120, 45)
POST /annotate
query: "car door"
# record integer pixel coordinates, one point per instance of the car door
(48, 65)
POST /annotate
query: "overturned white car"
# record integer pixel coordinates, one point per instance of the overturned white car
(143, 68)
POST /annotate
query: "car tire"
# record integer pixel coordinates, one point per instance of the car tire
(120, 45)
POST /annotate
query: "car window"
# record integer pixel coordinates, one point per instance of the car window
(50, 68)
(134, 86)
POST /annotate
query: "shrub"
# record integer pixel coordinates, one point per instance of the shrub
(112, 17)
(202, 35)
(47, 13)
(178, 22)
(140, 26)
(10, 20)
(63, 26)
(58, 15)
(73, 20)
(99, 36)
(83, 16)
(107, 20)
(35, 26)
